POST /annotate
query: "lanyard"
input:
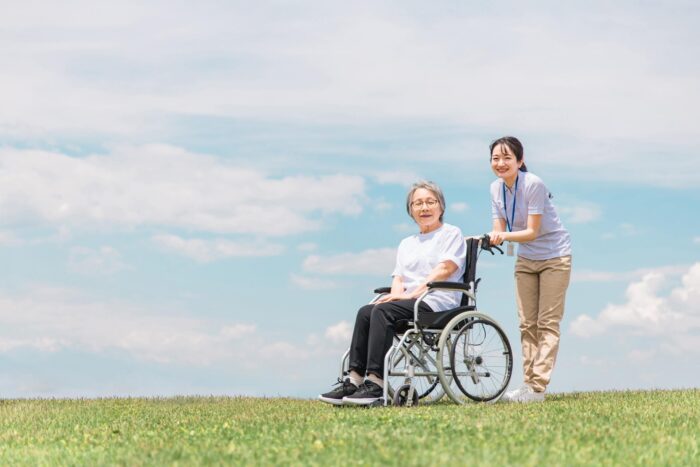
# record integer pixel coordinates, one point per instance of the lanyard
(511, 222)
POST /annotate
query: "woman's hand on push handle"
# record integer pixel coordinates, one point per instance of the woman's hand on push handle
(496, 238)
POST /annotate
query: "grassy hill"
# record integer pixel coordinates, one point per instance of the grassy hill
(612, 428)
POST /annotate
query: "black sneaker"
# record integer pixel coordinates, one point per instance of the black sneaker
(367, 393)
(335, 397)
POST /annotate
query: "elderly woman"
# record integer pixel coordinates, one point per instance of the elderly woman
(436, 253)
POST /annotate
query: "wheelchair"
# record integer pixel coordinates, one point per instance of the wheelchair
(461, 353)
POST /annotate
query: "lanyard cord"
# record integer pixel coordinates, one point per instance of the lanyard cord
(510, 223)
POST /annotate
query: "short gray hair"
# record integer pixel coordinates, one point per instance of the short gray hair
(430, 186)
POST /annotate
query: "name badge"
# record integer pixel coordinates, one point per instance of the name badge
(510, 249)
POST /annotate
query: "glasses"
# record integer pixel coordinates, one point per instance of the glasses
(431, 203)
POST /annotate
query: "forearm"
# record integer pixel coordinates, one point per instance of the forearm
(520, 236)
(441, 272)
(397, 286)
(528, 234)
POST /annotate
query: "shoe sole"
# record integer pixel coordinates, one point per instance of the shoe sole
(331, 401)
(358, 401)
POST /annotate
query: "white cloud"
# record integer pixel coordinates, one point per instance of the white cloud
(626, 276)
(103, 260)
(51, 319)
(205, 251)
(672, 319)
(582, 213)
(458, 207)
(398, 177)
(106, 73)
(312, 283)
(340, 333)
(8, 238)
(375, 262)
(159, 185)
(696, 240)
(334, 340)
(624, 229)
(382, 205)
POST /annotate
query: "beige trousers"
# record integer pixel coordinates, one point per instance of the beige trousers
(540, 287)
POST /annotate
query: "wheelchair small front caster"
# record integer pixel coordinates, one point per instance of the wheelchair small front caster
(401, 396)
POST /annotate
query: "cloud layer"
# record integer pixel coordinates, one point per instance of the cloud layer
(205, 251)
(672, 318)
(165, 186)
(589, 85)
(52, 319)
(374, 262)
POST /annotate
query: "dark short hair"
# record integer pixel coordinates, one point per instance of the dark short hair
(515, 146)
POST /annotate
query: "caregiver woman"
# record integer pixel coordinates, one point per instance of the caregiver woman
(523, 213)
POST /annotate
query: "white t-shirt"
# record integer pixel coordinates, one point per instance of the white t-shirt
(420, 253)
(532, 197)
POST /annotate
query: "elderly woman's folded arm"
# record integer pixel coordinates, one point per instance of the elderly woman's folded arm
(441, 272)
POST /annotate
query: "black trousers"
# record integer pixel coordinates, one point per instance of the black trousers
(374, 334)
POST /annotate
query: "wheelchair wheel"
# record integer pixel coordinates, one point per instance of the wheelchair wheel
(425, 380)
(401, 396)
(482, 353)
(474, 358)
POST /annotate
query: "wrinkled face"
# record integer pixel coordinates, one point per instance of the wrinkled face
(504, 164)
(426, 210)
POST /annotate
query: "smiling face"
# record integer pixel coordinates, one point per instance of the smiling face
(504, 164)
(426, 210)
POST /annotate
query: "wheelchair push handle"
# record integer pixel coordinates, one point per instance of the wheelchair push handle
(486, 245)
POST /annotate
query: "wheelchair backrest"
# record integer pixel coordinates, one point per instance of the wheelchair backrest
(470, 267)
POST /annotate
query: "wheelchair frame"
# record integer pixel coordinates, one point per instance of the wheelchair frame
(439, 334)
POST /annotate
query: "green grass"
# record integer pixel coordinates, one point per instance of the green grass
(614, 428)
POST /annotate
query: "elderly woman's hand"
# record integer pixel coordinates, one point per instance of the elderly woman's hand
(392, 297)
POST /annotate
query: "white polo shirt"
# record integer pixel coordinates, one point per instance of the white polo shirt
(532, 197)
(418, 255)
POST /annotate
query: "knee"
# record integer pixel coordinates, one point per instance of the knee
(528, 325)
(364, 313)
(548, 325)
(380, 311)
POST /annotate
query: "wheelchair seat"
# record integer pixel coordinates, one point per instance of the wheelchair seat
(432, 320)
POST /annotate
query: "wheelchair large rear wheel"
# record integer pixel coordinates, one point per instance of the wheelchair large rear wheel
(481, 352)
(474, 354)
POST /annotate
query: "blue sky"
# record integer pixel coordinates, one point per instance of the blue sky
(196, 199)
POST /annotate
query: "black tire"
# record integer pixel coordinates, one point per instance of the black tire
(423, 358)
(481, 360)
(401, 396)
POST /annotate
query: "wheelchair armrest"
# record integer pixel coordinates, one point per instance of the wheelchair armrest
(449, 285)
(440, 285)
(382, 290)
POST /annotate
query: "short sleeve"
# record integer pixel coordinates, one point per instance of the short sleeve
(496, 205)
(398, 268)
(536, 195)
(453, 248)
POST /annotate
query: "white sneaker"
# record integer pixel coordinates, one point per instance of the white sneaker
(512, 396)
(529, 395)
